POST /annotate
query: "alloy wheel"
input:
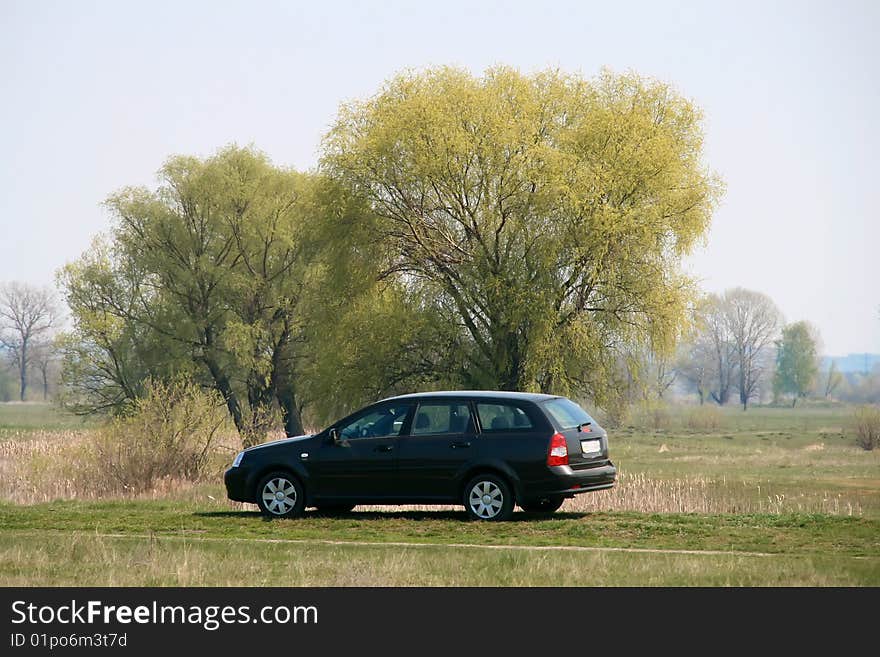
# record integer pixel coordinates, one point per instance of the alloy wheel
(279, 495)
(486, 499)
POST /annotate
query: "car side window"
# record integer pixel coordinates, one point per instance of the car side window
(440, 418)
(379, 423)
(503, 417)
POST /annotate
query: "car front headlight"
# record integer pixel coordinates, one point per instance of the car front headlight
(238, 458)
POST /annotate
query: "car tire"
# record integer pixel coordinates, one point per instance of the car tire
(545, 505)
(488, 497)
(280, 495)
(334, 509)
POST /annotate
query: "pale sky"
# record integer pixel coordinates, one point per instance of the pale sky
(96, 95)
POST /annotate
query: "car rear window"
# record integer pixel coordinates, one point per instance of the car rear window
(503, 417)
(567, 413)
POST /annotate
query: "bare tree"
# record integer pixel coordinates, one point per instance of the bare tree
(27, 315)
(664, 374)
(715, 331)
(657, 372)
(43, 360)
(832, 380)
(696, 362)
(753, 321)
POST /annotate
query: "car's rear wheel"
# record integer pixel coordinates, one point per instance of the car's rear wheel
(545, 505)
(488, 497)
(280, 495)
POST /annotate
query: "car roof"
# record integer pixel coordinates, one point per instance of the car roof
(478, 394)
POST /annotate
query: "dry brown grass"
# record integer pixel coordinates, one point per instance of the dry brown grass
(176, 436)
(51, 465)
(703, 419)
(638, 492)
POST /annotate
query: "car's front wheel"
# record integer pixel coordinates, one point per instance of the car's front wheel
(280, 495)
(546, 505)
(488, 497)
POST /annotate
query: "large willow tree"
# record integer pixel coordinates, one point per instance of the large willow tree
(203, 276)
(544, 216)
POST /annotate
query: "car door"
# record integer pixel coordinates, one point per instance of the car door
(361, 463)
(441, 440)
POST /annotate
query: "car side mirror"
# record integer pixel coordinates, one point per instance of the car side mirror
(334, 436)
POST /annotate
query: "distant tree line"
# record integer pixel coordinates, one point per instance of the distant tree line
(738, 346)
(729, 351)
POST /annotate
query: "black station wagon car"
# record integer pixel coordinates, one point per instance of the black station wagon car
(485, 450)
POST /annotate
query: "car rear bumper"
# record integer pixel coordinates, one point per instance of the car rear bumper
(566, 481)
(237, 485)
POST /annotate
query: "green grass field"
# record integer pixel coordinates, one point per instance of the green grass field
(17, 419)
(778, 497)
(802, 459)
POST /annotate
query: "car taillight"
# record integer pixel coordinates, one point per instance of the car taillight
(558, 454)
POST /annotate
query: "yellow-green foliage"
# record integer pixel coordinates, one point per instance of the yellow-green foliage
(497, 231)
(545, 213)
(201, 276)
(796, 360)
(171, 433)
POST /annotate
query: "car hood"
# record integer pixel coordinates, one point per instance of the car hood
(283, 441)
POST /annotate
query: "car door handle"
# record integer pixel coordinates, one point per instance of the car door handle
(383, 448)
(459, 445)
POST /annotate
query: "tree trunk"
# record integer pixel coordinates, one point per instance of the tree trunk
(743, 385)
(289, 410)
(259, 420)
(507, 363)
(223, 386)
(22, 370)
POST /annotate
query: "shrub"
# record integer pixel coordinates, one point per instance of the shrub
(703, 419)
(169, 434)
(866, 425)
(652, 415)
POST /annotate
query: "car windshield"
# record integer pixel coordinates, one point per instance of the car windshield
(567, 413)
